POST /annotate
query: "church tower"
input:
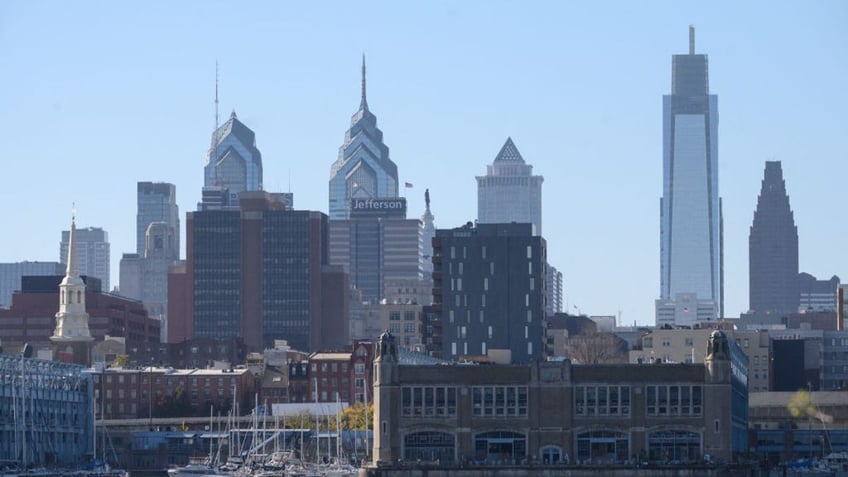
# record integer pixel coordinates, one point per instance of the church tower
(72, 338)
(386, 400)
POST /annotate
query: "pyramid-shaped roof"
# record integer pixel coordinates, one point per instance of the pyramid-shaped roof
(509, 153)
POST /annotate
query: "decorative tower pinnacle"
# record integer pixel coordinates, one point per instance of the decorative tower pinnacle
(363, 103)
(72, 336)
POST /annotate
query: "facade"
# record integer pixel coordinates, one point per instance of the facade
(555, 412)
(61, 432)
(259, 272)
(376, 245)
(773, 251)
(691, 219)
(168, 392)
(489, 287)
(32, 316)
(817, 295)
(233, 163)
(92, 252)
(684, 309)
(363, 169)
(11, 273)
(509, 192)
(157, 202)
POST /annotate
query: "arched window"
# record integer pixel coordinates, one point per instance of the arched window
(79, 296)
(674, 446)
(429, 446)
(603, 446)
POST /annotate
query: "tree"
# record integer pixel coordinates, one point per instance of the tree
(596, 348)
(356, 417)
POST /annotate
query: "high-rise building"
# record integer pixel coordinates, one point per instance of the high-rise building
(233, 163)
(11, 273)
(815, 294)
(773, 249)
(509, 192)
(553, 302)
(157, 202)
(92, 253)
(377, 244)
(489, 283)
(363, 169)
(690, 220)
(259, 272)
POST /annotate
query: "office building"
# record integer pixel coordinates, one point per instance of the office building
(815, 294)
(376, 245)
(157, 202)
(509, 192)
(260, 272)
(489, 283)
(691, 220)
(145, 277)
(92, 252)
(684, 309)
(363, 169)
(773, 250)
(549, 413)
(233, 163)
(60, 432)
(11, 273)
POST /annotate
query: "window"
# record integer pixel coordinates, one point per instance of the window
(428, 401)
(359, 368)
(529, 251)
(409, 316)
(602, 401)
(673, 400)
(395, 315)
(498, 401)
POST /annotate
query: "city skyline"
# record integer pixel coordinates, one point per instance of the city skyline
(591, 126)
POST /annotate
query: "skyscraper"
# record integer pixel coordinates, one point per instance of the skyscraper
(509, 192)
(157, 202)
(363, 169)
(233, 163)
(11, 273)
(260, 272)
(690, 221)
(92, 252)
(773, 249)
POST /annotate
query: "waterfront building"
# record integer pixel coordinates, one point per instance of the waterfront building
(489, 285)
(690, 217)
(92, 252)
(552, 412)
(260, 272)
(363, 169)
(157, 202)
(233, 163)
(60, 431)
(773, 251)
(11, 273)
(377, 244)
(509, 192)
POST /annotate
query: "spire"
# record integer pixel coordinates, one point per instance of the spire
(427, 198)
(363, 103)
(72, 270)
(509, 152)
(233, 114)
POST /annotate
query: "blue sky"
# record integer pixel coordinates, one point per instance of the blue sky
(96, 96)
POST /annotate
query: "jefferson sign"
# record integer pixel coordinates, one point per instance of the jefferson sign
(378, 204)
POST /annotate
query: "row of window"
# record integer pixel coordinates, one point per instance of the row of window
(495, 401)
(602, 400)
(428, 401)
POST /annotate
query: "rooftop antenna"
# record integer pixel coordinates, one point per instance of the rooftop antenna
(217, 139)
(691, 39)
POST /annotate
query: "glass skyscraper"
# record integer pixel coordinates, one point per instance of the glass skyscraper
(233, 162)
(157, 202)
(363, 169)
(690, 222)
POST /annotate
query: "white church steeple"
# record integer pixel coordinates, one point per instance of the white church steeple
(72, 335)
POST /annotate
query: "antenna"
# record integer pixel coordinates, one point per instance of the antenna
(216, 112)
